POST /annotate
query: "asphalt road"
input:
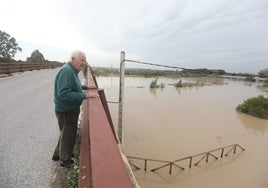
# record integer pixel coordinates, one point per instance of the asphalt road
(28, 129)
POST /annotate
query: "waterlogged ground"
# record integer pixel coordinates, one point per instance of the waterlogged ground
(170, 123)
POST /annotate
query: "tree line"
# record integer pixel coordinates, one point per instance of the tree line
(9, 47)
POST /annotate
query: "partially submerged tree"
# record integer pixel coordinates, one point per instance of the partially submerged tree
(256, 106)
(8, 47)
(154, 84)
(36, 56)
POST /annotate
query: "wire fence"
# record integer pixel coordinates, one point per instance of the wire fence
(153, 64)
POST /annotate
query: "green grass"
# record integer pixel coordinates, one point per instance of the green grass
(73, 172)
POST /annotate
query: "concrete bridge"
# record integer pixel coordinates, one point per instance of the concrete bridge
(29, 132)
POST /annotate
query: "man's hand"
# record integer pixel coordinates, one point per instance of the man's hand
(91, 87)
(91, 95)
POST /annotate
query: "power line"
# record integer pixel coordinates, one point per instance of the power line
(153, 64)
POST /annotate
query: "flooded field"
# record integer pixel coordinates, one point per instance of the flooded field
(170, 123)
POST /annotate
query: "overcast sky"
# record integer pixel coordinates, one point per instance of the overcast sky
(215, 34)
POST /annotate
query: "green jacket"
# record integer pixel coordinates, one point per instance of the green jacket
(68, 95)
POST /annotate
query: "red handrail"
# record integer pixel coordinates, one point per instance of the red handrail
(101, 166)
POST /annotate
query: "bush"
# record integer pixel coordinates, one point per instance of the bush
(265, 84)
(189, 84)
(257, 106)
(179, 84)
(154, 84)
(250, 79)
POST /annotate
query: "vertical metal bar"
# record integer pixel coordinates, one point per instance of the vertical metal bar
(95, 81)
(170, 168)
(121, 96)
(207, 157)
(222, 151)
(234, 148)
(191, 159)
(145, 165)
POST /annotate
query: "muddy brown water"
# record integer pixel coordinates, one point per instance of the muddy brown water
(170, 123)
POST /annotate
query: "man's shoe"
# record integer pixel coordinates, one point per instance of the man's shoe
(55, 158)
(67, 164)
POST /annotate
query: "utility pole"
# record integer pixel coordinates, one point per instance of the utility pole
(121, 96)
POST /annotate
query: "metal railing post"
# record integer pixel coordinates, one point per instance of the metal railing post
(190, 164)
(121, 96)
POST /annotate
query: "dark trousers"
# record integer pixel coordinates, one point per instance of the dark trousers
(67, 122)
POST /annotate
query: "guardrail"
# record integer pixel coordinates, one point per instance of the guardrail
(101, 163)
(13, 67)
(203, 156)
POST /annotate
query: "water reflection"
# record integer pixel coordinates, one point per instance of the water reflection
(262, 88)
(154, 91)
(178, 89)
(253, 124)
(248, 83)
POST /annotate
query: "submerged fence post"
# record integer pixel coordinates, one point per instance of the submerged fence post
(121, 96)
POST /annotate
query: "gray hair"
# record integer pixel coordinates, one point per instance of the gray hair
(76, 54)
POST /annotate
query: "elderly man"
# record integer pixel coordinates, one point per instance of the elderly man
(68, 97)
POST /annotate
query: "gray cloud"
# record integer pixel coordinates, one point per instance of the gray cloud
(227, 34)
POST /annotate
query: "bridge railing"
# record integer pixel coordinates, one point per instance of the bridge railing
(101, 163)
(14, 67)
